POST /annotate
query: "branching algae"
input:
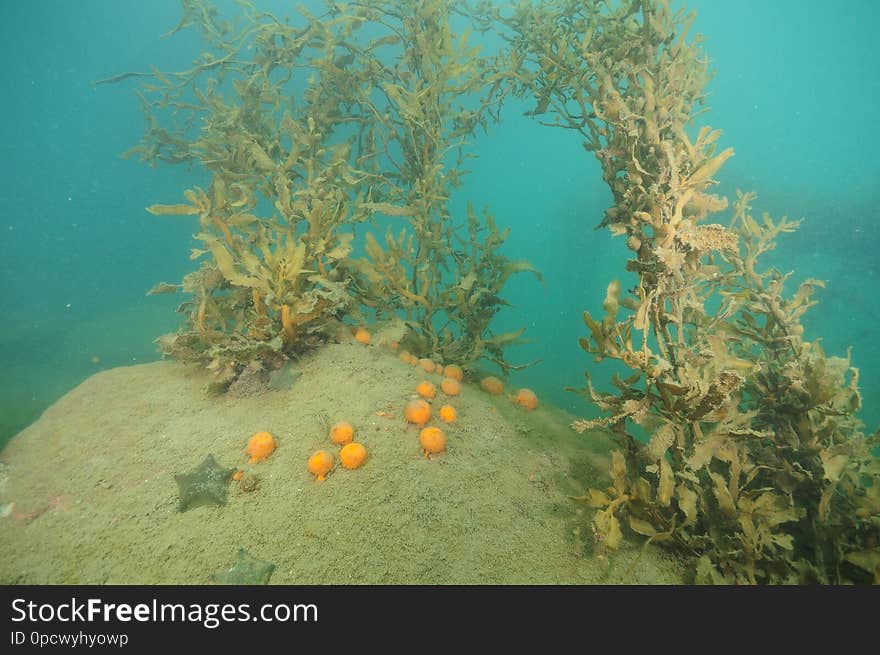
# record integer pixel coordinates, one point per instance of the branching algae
(756, 464)
(445, 280)
(301, 128)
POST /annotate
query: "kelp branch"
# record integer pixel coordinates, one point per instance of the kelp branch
(755, 463)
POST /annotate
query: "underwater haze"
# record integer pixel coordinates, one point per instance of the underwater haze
(796, 93)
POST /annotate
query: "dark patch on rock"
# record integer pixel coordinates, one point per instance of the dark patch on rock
(284, 378)
(250, 482)
(247, 570)
(253, 380)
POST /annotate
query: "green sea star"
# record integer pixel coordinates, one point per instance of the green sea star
(247, 570)
(206, 484)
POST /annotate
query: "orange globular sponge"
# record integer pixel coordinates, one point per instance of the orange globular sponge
(426, 390)
(492, 385)
(427, 365)
(450, 387)
(362, 336)
(448, 413)
(320, 464)
(433, 440)
(260, 446)
(238, 475)
(342, 433)
(526, 398)
(404, 356)
(417, 411)
(454, 371)
(353, 455)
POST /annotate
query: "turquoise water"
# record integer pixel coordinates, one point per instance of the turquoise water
(796, 94)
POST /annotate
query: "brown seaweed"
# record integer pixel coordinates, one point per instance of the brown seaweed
(294, 171)
(755, 462)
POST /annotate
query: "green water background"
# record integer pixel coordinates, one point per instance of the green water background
(796, 93)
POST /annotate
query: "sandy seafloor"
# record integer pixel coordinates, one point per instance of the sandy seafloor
(88, 493)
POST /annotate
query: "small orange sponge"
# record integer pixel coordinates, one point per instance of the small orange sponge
(448, 413)
(492, 385)
(260, 446)
(320, 464)
(427, 365)
(417, 411)
(342, 433)
(352, 455)
(526, 398)
(362, 336)
(454, 371)
(450, 387)
(426, 390)
(432, 440)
